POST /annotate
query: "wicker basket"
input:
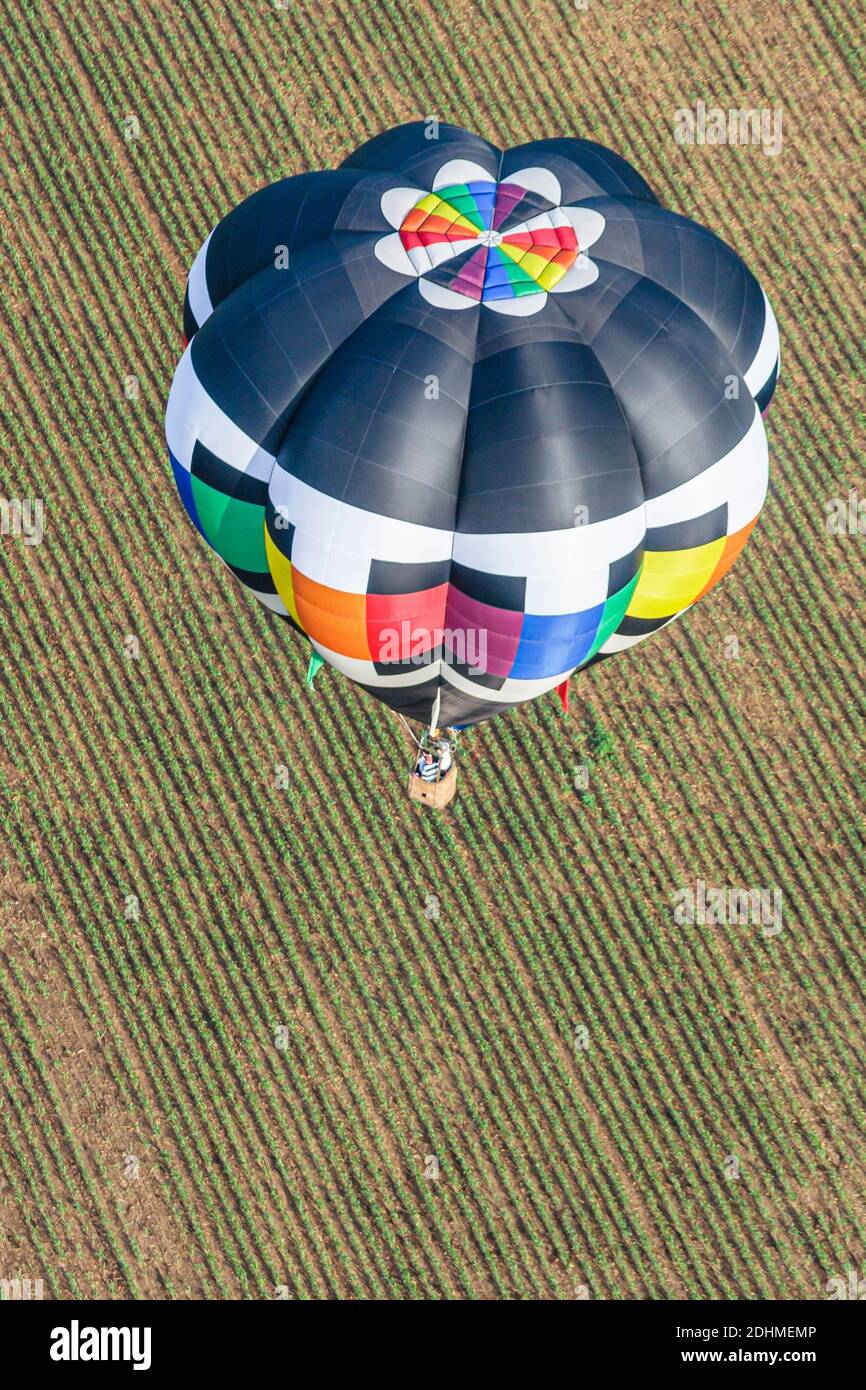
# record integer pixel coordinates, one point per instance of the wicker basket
(435, 794)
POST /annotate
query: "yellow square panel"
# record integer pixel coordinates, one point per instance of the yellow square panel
(281, 573)
(672, 579)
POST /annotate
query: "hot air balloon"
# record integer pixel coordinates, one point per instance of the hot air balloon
(471, 420)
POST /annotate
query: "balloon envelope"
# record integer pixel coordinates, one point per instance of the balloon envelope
(471, 419)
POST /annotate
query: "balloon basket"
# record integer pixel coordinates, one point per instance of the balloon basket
(436, 794)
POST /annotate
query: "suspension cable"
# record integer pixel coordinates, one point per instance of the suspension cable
(405, 724)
